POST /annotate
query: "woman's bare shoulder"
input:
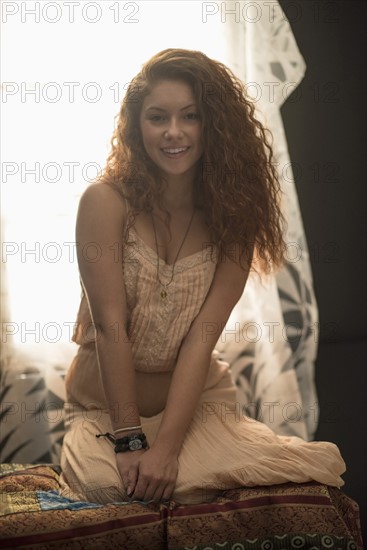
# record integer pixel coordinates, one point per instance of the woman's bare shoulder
(97, 192)
(100, 203)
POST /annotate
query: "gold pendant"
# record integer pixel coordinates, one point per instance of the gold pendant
(163, 294)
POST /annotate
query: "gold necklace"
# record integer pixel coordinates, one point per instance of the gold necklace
(165, 285)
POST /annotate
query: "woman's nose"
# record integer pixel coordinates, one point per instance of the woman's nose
(173, 129)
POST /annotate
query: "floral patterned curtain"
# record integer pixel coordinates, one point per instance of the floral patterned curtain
(271, 338)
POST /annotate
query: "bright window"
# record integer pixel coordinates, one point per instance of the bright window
(65, 66)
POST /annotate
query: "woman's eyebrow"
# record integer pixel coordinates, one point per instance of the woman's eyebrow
(153, 107)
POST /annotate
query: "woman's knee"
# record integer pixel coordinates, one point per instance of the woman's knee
(100, 492)
(104, 493)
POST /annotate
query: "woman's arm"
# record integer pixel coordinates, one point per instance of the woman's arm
(160, 462)
(195, 353)
(99, 234)
(100, 239)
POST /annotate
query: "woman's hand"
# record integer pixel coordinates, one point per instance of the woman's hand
(128, 466)
(148, 475)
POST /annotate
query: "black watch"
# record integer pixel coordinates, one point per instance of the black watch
(133, 442)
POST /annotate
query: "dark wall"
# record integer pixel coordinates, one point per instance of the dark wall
(325, 123)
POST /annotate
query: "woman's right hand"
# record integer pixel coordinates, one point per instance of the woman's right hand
(128, 466)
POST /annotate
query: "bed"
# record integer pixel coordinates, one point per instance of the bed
(287, 516)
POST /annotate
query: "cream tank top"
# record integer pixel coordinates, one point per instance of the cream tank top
(156, 326)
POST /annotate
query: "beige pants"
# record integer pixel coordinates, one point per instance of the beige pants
(222, 449)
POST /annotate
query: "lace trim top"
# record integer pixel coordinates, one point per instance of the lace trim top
(156, 325)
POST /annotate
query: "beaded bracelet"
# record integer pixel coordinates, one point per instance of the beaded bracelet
(127, 429)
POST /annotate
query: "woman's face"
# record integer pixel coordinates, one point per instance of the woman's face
(171, 128)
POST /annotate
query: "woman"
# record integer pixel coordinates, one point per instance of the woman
(166, 239)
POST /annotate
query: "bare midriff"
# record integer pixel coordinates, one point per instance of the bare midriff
(152, 391)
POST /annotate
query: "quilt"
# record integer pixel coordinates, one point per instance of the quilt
(288, 516)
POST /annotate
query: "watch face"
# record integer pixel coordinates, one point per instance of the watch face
(135, 445)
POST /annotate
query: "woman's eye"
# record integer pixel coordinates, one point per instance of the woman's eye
(161, 118)
(156, 118)
(192, 116)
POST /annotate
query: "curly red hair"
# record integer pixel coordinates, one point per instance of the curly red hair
(237, 187)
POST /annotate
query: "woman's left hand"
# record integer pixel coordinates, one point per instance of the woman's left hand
(157, 475)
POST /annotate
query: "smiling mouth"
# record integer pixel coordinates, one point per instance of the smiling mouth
(174, 151)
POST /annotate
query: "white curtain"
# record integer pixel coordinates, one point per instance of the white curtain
(55, 141)
(274, 345)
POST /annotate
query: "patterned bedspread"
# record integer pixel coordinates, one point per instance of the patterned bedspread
(288, 516)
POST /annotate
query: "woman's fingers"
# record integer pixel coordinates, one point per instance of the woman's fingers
(149, 487)
(168, 492)
(163, 492)
(128, 468)
(131, 480)
(152, 488)
(148, 476)
(141, 491)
